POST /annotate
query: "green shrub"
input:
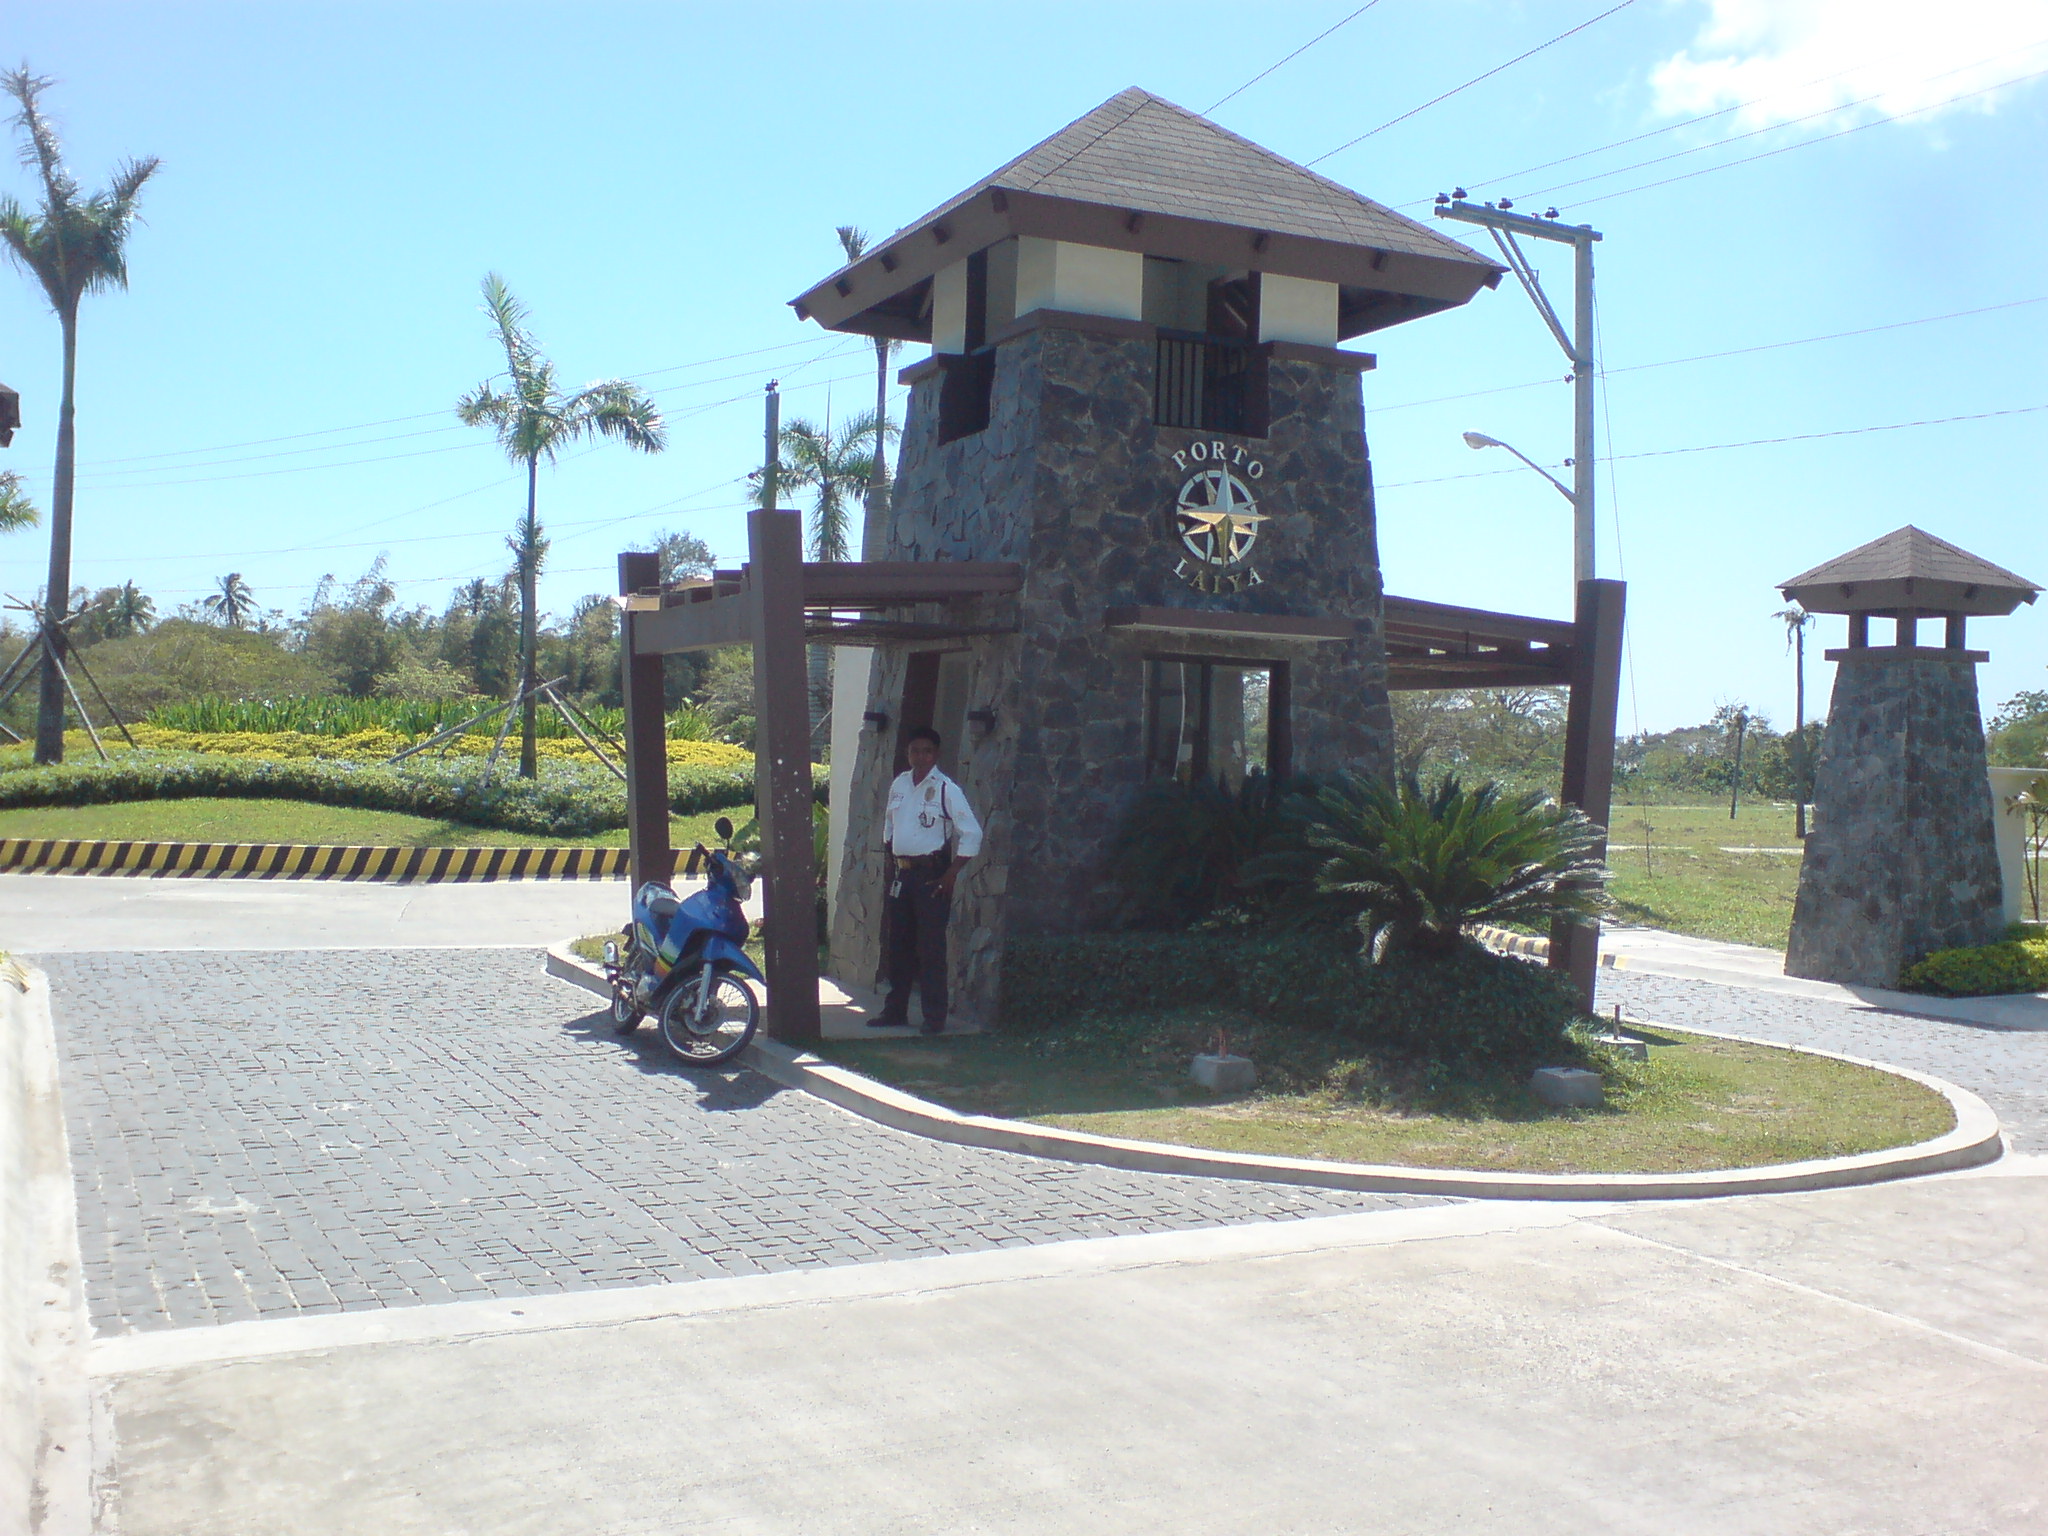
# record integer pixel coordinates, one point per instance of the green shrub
(1463, 1009)
(2016, 964)
(1414, 868)
(567, 800)
(1181, 848)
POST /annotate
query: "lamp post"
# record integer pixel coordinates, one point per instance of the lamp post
(1481, 440)
(1577, 342)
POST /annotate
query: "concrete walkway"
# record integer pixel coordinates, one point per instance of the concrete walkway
(59, 914)
(1657, 953)
(1872, 1361)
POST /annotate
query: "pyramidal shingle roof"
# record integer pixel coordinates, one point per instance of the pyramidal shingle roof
(1142, 174)
(1142, 152)
(1905, 565)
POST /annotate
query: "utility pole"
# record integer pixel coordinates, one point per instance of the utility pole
(1577, 343)
(1735, 778)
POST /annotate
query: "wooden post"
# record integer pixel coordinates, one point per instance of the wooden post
(649, 855)
(1589, 756)
(782, 773)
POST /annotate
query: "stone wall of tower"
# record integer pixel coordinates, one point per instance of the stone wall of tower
(1072, 479)
(1903, 859)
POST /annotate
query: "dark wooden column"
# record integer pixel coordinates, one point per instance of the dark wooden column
(650, 856)
(782, 773)
(1589, 755)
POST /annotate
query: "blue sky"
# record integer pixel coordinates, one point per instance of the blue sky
(656, 181)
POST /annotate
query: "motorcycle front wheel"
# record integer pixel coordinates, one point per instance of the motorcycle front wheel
(716, 1032)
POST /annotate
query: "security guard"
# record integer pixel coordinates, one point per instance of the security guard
(929, 833)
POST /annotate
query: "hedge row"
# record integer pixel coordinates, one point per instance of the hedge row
(567, 800)
(377, 746)
(2017, 964)
(1470, 1008)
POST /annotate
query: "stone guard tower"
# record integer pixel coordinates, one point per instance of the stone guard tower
(1902, 859)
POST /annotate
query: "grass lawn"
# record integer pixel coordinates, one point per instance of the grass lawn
(1687, 881)
(227, 820)
(1702, 1104)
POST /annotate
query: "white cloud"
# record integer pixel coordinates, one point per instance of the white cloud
(1852, 60)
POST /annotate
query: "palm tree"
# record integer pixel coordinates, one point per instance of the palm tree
(875, 503)
(74, 244)
(1797, 622)
(534, 420)
(828, 463)
(233, 602)
(16, 510)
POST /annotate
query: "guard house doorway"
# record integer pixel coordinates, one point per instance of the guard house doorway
(1210, 717)
(935, 688)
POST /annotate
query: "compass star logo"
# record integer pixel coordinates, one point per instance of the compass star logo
(1218, 517)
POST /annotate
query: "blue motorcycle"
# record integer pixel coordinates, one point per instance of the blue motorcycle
(682, 962)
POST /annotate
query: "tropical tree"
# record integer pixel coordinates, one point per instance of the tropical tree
(232, 601)
(75, 243)
(875, 521)
(16, 510)
(535, 420)
(829, 464)
(1416, 868)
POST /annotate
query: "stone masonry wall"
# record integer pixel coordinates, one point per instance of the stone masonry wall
(1902, 860)
(1073, 479)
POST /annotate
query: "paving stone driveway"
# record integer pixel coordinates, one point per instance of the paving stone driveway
(263, 1134)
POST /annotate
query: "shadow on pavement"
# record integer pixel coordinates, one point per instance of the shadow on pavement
(737, 1087)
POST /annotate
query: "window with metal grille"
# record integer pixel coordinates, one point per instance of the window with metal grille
(1209, 384)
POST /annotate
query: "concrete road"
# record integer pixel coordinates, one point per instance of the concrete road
(69, 914)
(1871, 1361)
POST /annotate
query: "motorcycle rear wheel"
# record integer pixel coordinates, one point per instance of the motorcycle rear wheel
(716, 1033)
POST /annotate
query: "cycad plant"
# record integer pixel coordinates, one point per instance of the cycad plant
(535, 420)
(1415, 868)
(75, 243)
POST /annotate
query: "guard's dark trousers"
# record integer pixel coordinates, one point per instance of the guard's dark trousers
(917, 945)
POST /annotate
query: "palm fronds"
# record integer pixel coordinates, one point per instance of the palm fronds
(16, 510)
(1416, 868)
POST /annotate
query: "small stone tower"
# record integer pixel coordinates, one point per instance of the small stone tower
(1902, 860)
(1136, 402)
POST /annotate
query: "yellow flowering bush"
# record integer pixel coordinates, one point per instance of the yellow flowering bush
(374, 746)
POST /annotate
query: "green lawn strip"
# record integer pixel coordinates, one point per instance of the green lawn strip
(1704, 1104)
(1683, 882)
(234, 820)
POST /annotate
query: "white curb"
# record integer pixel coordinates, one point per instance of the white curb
(1974, 1141)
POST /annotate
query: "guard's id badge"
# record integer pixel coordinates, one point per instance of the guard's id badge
(895, 887)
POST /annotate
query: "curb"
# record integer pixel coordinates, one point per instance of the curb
(306, 861)
(1975, 1140)
(1503, 941)
(48, 1449)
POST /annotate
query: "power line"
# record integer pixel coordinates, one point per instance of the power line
(1304, 48)
(1754, 442)
(1705, 117)
(1706, 357)
(1475, 80)
(1782, 149)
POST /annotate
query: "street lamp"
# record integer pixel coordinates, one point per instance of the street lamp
(1481, 440)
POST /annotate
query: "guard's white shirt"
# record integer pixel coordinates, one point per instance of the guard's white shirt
(923, 816)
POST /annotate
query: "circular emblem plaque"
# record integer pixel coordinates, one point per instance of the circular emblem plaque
(1216, 517)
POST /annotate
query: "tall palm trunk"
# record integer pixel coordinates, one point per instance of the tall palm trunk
(875, 503)
(529, 763)
(57, 599)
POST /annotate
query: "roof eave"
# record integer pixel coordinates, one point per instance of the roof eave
(997, 213)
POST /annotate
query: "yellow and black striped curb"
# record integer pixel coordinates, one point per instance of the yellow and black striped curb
(305, 861)
(1503, 942)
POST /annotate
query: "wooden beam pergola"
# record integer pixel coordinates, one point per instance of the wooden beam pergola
(776, 604)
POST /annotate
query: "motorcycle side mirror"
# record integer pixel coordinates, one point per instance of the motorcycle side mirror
(723, 827)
